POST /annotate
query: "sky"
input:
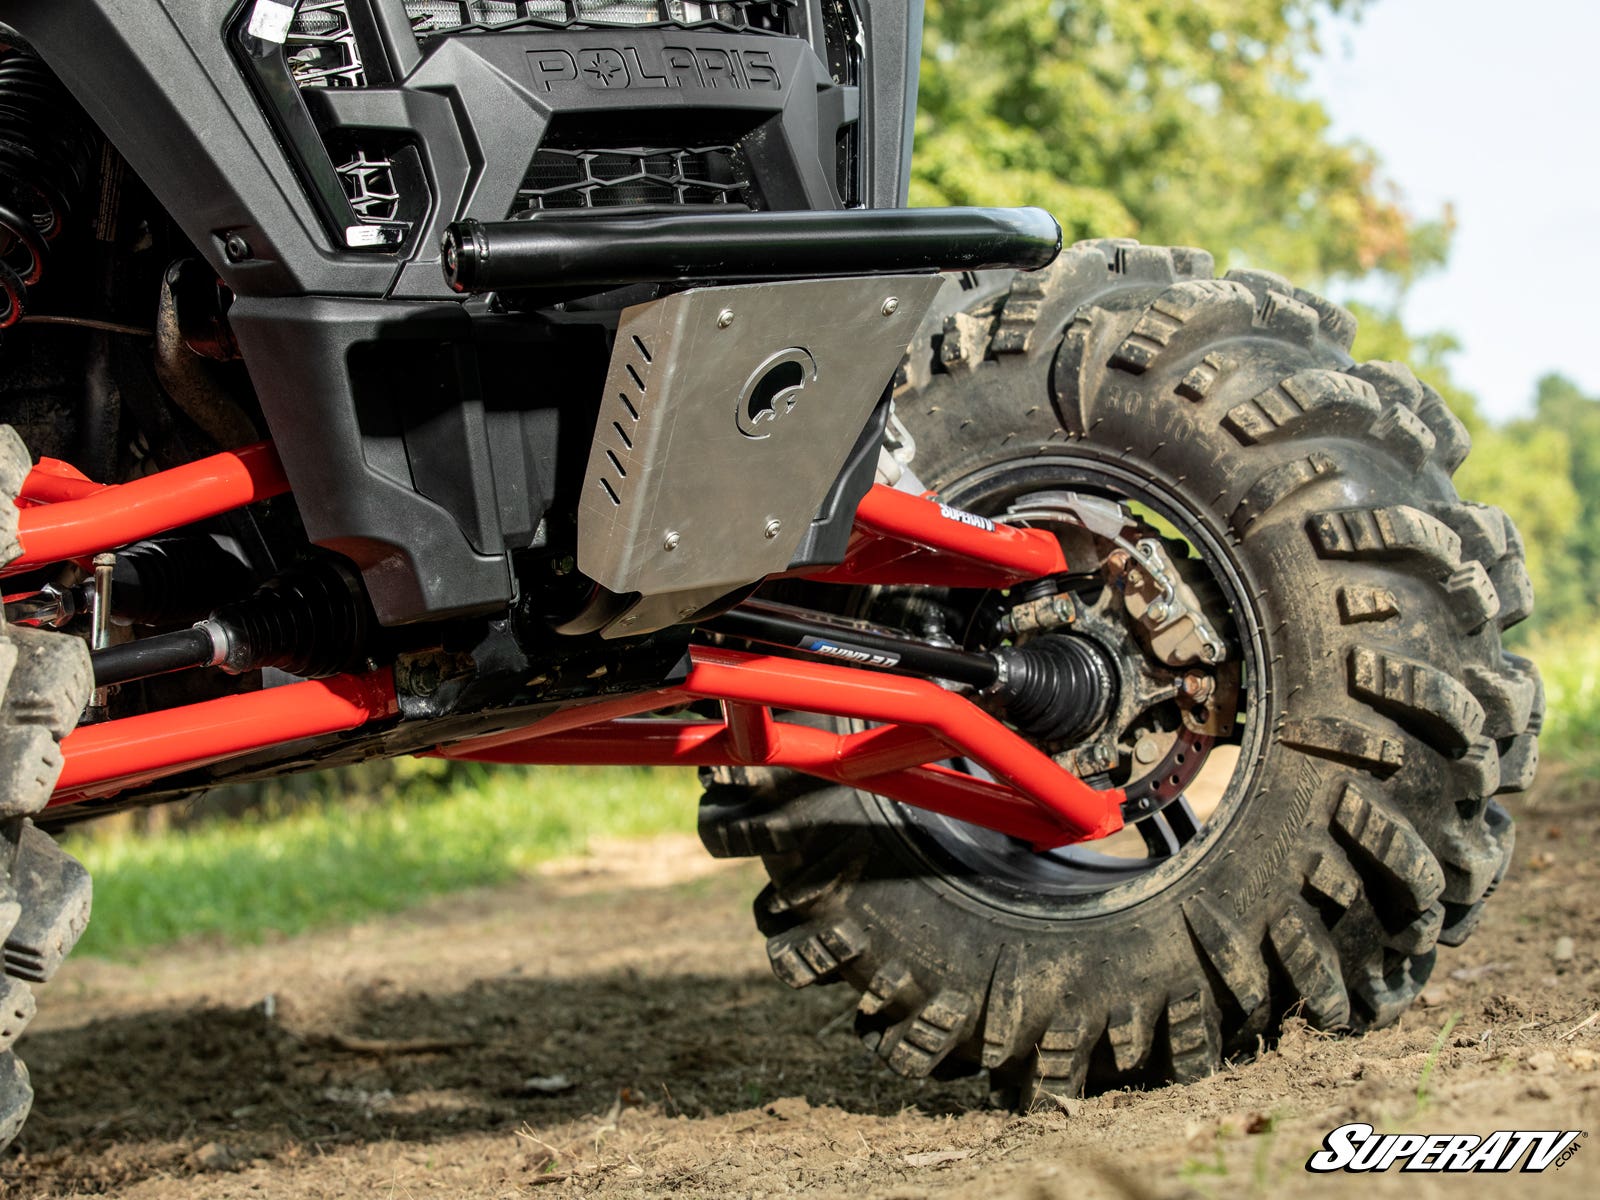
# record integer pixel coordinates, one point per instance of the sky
(1493, 108)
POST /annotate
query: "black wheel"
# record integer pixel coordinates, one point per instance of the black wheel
(45, 681)
(1337, 775)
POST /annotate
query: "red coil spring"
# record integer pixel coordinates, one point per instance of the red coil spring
(45, 161)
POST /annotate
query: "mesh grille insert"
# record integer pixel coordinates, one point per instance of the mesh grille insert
(369, 182)
(436, 18)
(632, 177)
(321, 47)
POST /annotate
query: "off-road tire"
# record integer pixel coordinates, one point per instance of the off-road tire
(45, 681)
(1368, 830)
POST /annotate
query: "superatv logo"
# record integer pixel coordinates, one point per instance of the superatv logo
(1357, 1147)
(855, 654)
(966, 518)
(669, 68)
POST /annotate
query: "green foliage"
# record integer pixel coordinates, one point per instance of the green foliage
(1545, 472)
(1180, 122)
(433, 829)
(1566, 417)
(1570, 662)
(1526, 469)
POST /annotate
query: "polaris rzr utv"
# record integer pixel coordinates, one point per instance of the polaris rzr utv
(1100, 661)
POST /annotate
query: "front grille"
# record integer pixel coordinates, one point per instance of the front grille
(633, 177)
(437, 18)
(377, 194)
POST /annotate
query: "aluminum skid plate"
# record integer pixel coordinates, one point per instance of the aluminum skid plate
(727, 414)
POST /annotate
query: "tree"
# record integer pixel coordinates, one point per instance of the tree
(1571, 545)
(1187, 122)
(1175, 121)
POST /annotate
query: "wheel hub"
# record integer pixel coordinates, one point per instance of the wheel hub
(1169, 707)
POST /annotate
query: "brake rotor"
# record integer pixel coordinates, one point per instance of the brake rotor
(1165, 784)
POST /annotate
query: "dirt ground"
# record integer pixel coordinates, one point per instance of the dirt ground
(610, 1028)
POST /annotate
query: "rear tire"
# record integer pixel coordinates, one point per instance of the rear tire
(45, 681)
(1361, 828)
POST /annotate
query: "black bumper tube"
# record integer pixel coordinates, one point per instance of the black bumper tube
(613, 251)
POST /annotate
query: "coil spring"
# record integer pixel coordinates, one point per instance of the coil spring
(45, 161)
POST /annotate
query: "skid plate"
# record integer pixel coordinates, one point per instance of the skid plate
(727, 414)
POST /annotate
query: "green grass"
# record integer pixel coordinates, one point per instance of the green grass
(430, 829)
(1423, 1095)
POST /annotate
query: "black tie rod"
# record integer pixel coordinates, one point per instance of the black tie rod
(1054, 688)
(562, 251)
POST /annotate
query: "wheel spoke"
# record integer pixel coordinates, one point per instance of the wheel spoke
(1168, 831)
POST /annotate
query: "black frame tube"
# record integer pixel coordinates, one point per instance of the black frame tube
(613, 251)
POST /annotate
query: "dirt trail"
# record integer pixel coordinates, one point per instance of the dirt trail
(424, 1054)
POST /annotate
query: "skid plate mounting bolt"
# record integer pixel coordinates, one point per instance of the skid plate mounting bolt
(891, 306)
(670, 542)
(773, 528)
(236, 248)
(725, 318)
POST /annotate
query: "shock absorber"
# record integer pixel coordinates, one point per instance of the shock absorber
(46, 155)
